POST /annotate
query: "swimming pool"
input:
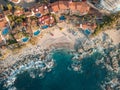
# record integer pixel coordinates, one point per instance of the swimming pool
(5, 31)
(87, 32)
(36, 33)
(62, 18)
(38, 14)
(45, 26)
(25, 39)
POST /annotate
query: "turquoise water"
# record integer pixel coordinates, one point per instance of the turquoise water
(87, 32)
(5, 31)
(38, 14)
(36, 32)
(63, 77)
(45, 27)
(62, 18)
(25, 39)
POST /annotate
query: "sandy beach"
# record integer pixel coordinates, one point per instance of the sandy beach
(114, 35)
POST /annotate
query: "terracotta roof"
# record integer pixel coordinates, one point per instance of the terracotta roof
(3, 23)
(73, 5)
(83, 7)
(47, 20)
(63, 5)
(90, 26)
(40, 9)
(55, 7)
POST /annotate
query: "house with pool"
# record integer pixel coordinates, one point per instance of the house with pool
(46, 21)
(21, 37)
(88, 27)
(35, 28)
(40, 10)
(4, 28)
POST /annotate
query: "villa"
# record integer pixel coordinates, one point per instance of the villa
(46, 20)
(90, 26)
(39, 16)
(40, 10)
(82, 7)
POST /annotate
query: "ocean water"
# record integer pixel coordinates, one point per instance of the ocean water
(63, 77)
(92, 74)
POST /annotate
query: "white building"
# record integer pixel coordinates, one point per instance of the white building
(110, 5)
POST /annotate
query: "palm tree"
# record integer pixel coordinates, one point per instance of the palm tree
(9, 6)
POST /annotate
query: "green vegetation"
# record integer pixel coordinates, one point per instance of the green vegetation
(9, 6)
(11, 42)
(108, 23)
(16, 19)
(33, 18)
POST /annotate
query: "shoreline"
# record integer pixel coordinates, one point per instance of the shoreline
(62, 39)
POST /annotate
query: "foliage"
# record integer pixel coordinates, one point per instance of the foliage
(108, 23)
(11, 41)
(9, 6)
(16, 19)
(33, 18)
(18, 8)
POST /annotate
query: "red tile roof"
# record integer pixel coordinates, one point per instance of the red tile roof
(72, 5)
(83, 7)
(3, 23)
(90, 26)
(55, 7)
(47, 20)
(63, 5)
(40, 9)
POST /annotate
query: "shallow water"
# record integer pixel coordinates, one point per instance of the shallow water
(63, 77)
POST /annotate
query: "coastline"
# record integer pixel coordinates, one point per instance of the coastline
(61, 39)
(79, 45)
